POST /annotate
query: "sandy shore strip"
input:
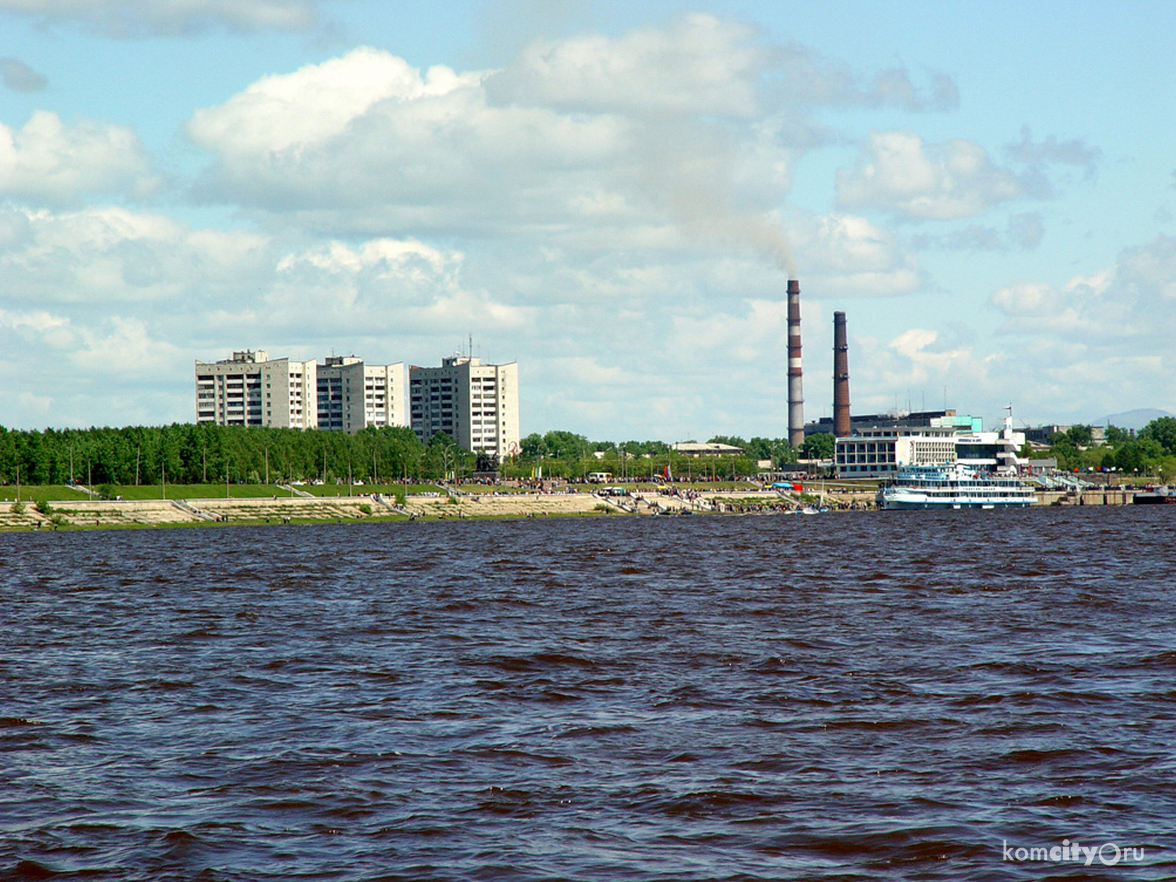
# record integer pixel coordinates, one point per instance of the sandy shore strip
(282, 509)
(289, 509)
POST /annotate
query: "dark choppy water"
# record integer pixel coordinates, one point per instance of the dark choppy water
(898, 695)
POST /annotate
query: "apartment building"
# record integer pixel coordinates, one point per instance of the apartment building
(475, 404)
(251, 390)
(353, 395)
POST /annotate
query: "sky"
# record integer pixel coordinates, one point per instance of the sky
(612, 196)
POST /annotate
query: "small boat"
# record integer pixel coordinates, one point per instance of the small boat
(1155, 496)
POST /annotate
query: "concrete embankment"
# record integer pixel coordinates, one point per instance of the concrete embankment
(283, 509)
(1084, 497)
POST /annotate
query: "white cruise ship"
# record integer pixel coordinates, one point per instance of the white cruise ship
(951, 485)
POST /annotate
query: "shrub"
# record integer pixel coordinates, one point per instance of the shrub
(366, 509)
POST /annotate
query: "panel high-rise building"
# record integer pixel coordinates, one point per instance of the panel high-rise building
(475, 404)
(353, 395)
(251, 390)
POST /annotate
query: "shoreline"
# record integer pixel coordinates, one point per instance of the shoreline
(163, 513)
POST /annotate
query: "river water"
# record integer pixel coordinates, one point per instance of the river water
(888, 695)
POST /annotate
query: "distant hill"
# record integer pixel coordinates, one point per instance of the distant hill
(1132, 419)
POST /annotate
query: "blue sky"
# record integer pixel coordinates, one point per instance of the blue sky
(612, 197)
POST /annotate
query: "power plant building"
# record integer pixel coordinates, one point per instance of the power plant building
(475, 404)
(879, 451)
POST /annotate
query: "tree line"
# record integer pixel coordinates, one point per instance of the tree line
(204, 453)
(188, 453)
(1151, 451)
(568, 455)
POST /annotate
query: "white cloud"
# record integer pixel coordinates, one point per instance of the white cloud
(698, 64)
(316, 103)
(923, 369)
(133, 18)
(613, 212)
(49, 161)
(1132, 300)
(846, 255)
(105, 255)
(686, 131)
(128, 341)
(1101, 342)
(902, 174)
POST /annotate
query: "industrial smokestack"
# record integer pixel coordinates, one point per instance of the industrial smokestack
(841, 420)
(795, 392)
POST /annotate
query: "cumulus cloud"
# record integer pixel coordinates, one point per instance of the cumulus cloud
(699, 64)
(1134, 299)
(655, 138)
(902, 174)
(366, 131)
(19, 77)
(611, 211)
(366, 143)
(899, 373)
(136, 18)
(49, 161)
(102, 257)
(847, 255)
(1117, 323)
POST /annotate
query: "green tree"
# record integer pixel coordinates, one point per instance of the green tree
(1116, 436)
(819, 445)
(1138, 455)
(566, 445)
(533, 446)
(1163, 431)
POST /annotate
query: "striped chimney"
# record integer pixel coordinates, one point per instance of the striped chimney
(795, 387)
